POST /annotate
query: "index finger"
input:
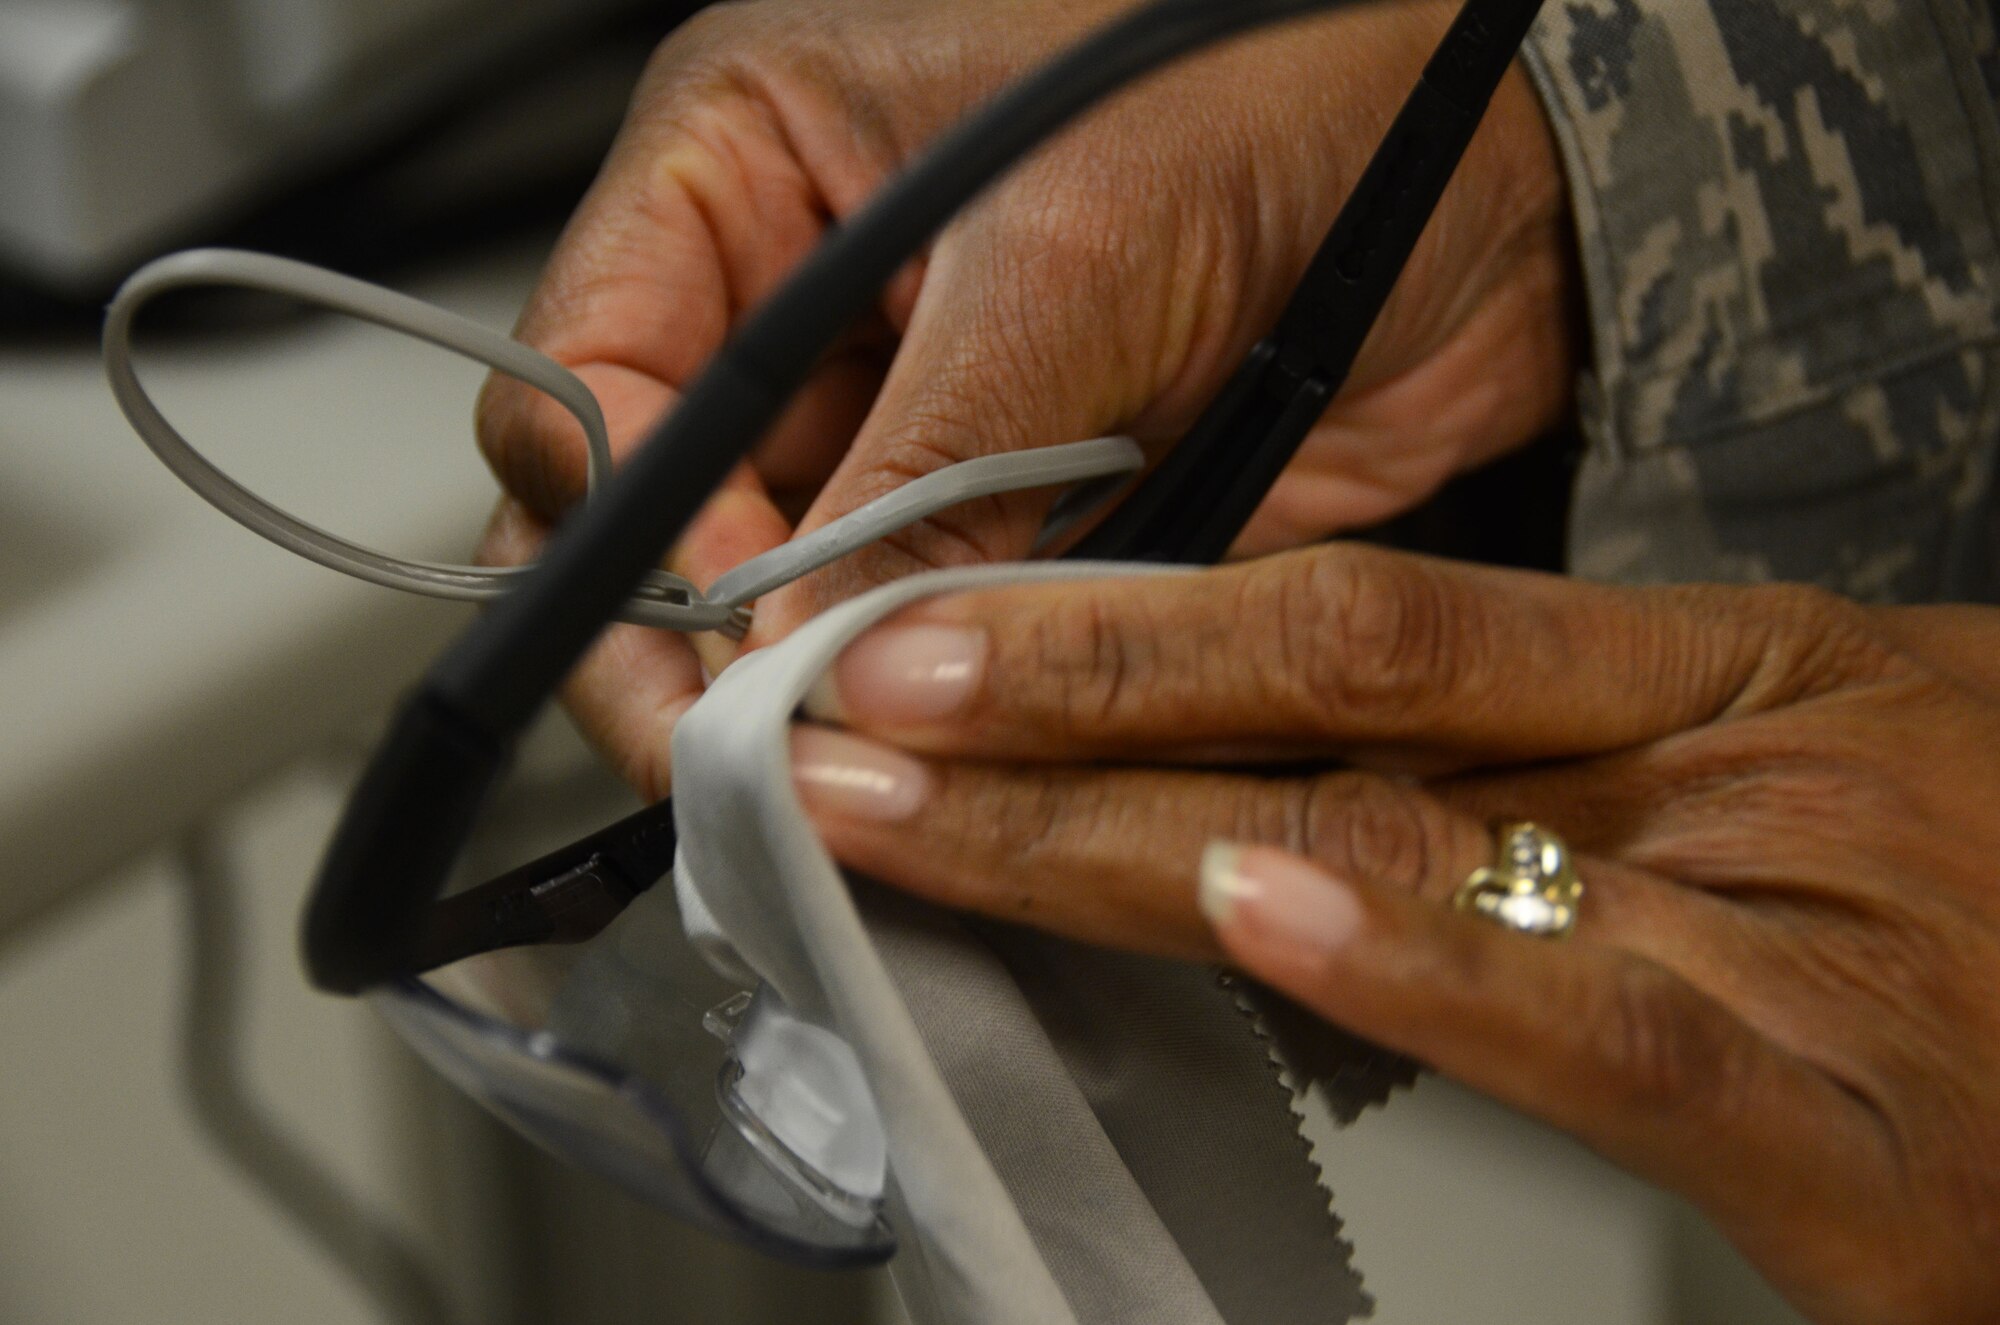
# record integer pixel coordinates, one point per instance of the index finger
(712, 194)
(1341, 651)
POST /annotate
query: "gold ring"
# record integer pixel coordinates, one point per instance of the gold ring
(1530, 887)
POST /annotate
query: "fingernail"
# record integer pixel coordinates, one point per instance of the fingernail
(1271, 897)
(902, 675)
(859, 779)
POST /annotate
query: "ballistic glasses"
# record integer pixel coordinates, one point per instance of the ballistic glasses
(691, 1086)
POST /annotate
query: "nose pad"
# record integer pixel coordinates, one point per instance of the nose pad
(795, 1092)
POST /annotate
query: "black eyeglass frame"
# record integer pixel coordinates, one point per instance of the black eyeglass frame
(375, 917)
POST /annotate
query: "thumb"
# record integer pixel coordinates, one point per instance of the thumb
(1009, 347)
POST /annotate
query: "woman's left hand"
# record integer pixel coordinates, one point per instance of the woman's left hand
(1783, 996)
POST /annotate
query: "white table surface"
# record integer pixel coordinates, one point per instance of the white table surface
(155, 658)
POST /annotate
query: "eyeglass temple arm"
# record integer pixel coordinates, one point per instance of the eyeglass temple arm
(1192, 507)
(566, 896)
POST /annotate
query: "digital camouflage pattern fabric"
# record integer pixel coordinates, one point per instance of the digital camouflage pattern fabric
(1787, 216)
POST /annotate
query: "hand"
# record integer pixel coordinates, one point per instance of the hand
(1110, 286)
(1783, 997)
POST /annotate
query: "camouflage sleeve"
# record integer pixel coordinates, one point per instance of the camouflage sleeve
(1787, 214)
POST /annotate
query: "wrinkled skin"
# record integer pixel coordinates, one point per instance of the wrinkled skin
(1109, 286)
(1780, 1001)
(1781, 997)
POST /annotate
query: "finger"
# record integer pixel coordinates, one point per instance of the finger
(1777, 809)
(798, 455)
(536, 449)
(1061, 306)
(1108, 856)
(626, 696)
(631, 687)
(738, 523)
(1007, 348)
(711, 196)
(1960, 641)
(1346, 651)
(1613, 1048)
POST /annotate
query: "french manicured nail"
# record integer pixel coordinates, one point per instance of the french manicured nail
(859, 779)
(1270, 897)
(903, 675)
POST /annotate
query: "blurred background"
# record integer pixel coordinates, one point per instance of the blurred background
(186, 1132)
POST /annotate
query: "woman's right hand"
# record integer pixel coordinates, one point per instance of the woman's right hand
(1108, 286)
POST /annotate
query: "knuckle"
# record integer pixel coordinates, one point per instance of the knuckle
(1091, 670)
(1811, 792)
(1656, 1054)
(894, 79)
(711, 29)
(1353, 635)
(733, 48)
(694, 54)
(1813, 640)
(1028, 822)
(1373, 830)
(1775, 781)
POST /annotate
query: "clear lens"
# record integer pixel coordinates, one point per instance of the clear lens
(617, 1055)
